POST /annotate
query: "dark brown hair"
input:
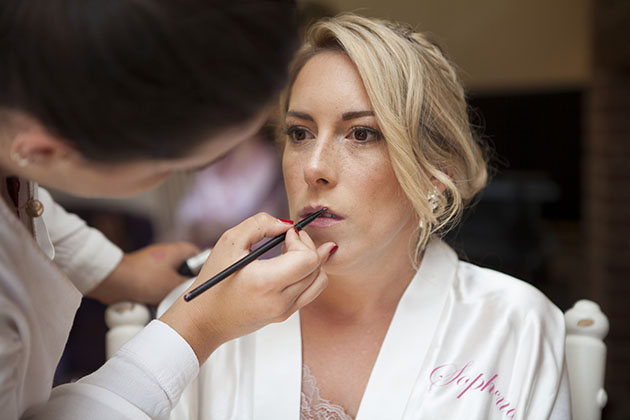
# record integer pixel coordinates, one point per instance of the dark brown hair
(128, 79)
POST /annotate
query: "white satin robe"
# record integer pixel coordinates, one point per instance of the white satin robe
(464, 343)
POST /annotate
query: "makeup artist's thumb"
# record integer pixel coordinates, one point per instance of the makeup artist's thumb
(256, 228)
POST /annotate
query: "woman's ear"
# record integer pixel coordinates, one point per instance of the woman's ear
(437, 183)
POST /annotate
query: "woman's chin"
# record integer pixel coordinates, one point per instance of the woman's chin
(339, 264)
(322, 236)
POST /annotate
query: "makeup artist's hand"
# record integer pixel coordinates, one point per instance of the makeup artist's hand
(264, 291)
(146, 275)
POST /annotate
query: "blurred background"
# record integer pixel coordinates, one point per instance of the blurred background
(549, 89)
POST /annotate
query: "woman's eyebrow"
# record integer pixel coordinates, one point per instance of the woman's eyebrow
(300, 115)
(346, 116)
(356, 114)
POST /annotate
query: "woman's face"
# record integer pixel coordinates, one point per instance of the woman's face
(67, 170)
(336, 157)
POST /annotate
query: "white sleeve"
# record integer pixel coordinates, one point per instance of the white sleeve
(11, 360)
(542, 365)
(82, 252)
(143, 380)
(562, 407)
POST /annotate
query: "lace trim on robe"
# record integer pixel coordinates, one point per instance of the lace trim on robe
(312, 406)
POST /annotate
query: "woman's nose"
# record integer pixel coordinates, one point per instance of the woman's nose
(320, 168)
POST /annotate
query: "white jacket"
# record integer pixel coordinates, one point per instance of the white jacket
(42, 278)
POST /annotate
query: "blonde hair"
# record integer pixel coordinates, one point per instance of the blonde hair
(420, 107)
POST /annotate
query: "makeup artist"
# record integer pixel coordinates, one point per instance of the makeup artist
(107, 98)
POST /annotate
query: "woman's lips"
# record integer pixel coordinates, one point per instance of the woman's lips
(327, 219)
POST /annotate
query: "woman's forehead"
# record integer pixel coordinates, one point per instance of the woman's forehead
(329, 79)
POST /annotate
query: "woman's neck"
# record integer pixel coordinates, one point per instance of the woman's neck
(365, 291)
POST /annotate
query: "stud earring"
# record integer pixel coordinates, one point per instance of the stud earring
(20, 160)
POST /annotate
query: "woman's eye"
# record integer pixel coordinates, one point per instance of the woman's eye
(297, 133)
(364, 134)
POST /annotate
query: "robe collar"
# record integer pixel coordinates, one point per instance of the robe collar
(278, 360)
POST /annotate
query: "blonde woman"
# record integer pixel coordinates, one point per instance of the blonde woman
(376, 129)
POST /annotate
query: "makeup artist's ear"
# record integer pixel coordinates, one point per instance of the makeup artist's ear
(32, 144)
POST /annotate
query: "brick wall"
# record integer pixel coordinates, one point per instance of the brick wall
(607, 192)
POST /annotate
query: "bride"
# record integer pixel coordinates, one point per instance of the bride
(376, 129)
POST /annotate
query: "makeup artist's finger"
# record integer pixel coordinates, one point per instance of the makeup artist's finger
(255, 229)
(314, 289)
(296, 288)
(326, 250)
(293, 241)
(287, 269)
(299, 242)
(300, 285)
(305, 237)
(298, 263)
(311, 287)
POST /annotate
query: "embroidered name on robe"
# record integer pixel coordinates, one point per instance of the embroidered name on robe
(449, 375)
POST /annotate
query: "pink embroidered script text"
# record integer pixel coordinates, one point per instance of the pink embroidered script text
(467, 382)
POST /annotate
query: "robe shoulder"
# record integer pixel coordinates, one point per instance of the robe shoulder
(503, 292)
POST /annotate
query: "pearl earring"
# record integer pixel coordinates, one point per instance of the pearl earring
(432, 198)
(434, 203)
